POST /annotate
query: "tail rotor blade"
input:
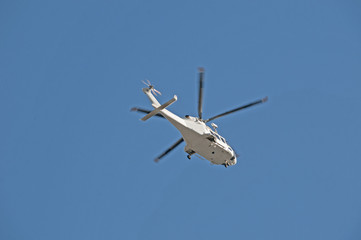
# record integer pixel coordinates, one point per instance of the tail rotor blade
(200, 93)
(146, 83)
(238, 109)
(155, 90)
(169, 149)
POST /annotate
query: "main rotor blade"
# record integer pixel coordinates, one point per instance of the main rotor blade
(239, 108)
(145, 111)
(169, 149)
(200, 95)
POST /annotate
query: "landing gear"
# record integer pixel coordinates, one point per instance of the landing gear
(190, 153)
(225, 165)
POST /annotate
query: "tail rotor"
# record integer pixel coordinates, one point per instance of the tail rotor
(151, 87)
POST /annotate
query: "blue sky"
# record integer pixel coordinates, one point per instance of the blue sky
(75, 163)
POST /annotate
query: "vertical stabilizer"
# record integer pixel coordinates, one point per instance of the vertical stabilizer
(151, 97)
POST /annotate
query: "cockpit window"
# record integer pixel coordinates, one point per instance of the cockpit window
(217, 136)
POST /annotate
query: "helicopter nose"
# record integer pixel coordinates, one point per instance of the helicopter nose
(233, 160)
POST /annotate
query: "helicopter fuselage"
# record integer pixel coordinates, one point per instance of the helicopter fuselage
(200, 139)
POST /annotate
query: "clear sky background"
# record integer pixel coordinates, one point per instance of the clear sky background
(75, 163)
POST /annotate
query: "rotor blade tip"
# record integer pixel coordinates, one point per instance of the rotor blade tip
(156, 160)
(201, 69)
(265, 99)
(133, 109)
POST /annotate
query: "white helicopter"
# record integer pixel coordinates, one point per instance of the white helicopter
(200, 139)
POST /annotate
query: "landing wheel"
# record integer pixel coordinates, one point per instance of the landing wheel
(189, 157)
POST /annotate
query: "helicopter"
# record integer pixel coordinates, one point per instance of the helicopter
(200, 139)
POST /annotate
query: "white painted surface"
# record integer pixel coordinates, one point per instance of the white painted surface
(198, 135)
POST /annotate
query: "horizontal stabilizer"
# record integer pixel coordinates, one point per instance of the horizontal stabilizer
(158, 109)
